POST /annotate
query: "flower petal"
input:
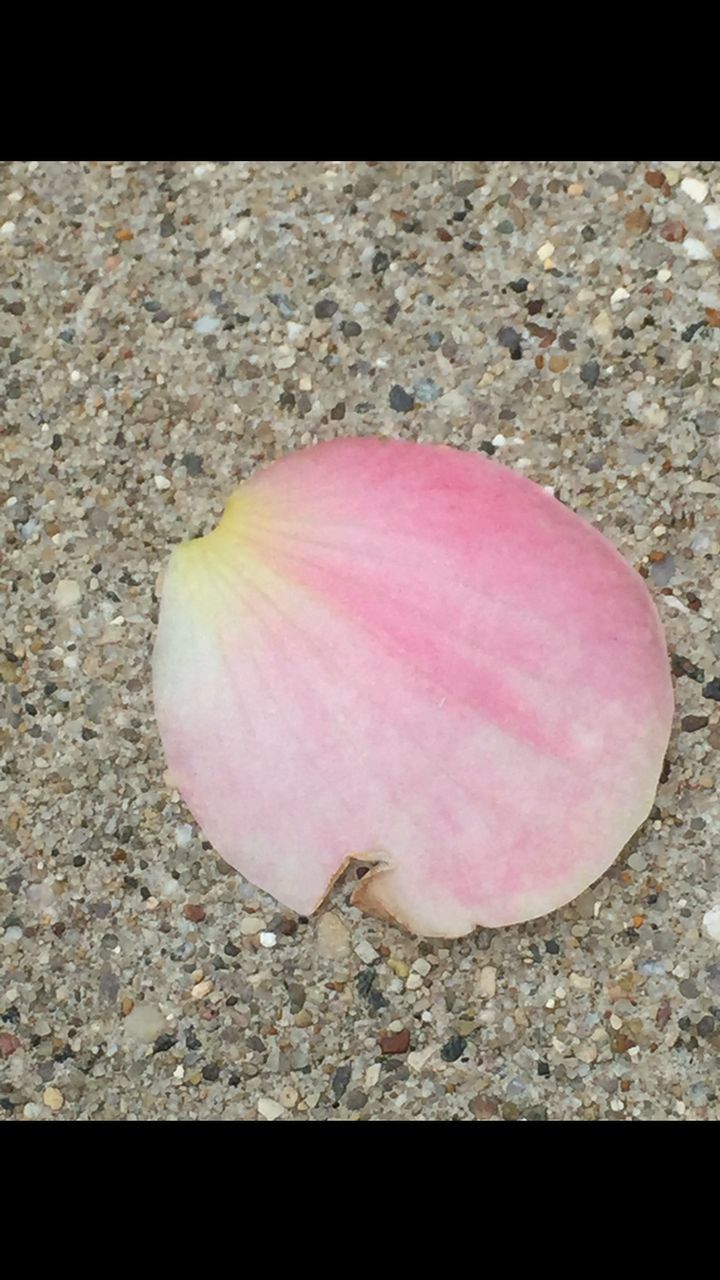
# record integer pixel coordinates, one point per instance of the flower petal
(411, 655)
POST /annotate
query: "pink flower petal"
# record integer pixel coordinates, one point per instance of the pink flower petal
(411, 655)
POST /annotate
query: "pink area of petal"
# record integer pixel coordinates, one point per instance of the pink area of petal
(411, 654)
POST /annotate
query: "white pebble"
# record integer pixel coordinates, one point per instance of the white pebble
(269, 1109)
(76, 376)
(7, 230)
(13, 933)
(499, 440)
(422, 966)
(602, 325)
(414, 982)
(41, 895)
(695, 188)
(372, 1075)
(202, 989)
(145, 1023)
(684, 360)
(207, 324)
(250, 925)
(619, 296)
(333, 936)
(580, 982)
(419, 1058)
(229, 234)
(711, 923)
(696, 250)
(586, 1053)
(267, 939)
(546, 251)
(183, 835)
(712, 216)
(161, 482)
(284, 358)
(67, 593)
(15, 197)
(365, 952)
(673, 603)
(486, 982)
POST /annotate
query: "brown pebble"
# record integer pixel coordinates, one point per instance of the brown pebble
(690, 724)
(8, 1045)
(655, 178)
(662, 1017)
(620, 1043)
(193, 911)
(548, 336)
(394, 1043)
(443, 235)
(674, 231)
(638, 221)
(124, 234)
(558, 363)
(713, 317)
(656, 556)
(483, 1108)
(539, 362)
(127, 1005)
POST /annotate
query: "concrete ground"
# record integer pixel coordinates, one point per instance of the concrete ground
(164, 329)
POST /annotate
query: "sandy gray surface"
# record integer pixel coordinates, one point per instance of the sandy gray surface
(164, 328)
